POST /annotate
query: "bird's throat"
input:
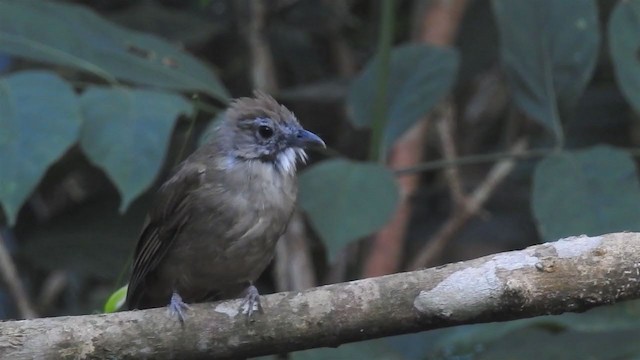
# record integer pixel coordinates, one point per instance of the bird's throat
(286, 160)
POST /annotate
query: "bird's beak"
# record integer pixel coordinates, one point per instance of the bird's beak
(306, 139)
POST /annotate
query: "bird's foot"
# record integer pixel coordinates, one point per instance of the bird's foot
(251, 302)
(177, 307)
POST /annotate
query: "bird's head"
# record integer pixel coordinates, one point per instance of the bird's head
(260, 129)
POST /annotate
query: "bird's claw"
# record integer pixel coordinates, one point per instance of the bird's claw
(251, 301)
(177, 307)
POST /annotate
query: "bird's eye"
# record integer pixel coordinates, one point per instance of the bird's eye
(265, 131)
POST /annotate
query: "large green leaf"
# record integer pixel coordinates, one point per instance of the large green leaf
(74, 36)
(549, 49)
(537, 343)
(624, 40)
(346, 200)
(127, 132)
(419, 77)
(39, 120)
(602, 332)
(481, 341)
(190, 25)
(591, 192)
(91, 240)
(376, 349)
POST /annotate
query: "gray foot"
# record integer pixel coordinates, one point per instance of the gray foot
(177, 307)
(252, 301)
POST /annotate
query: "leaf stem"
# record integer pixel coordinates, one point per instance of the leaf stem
(207, 108)
(192, 121)
(385, 38)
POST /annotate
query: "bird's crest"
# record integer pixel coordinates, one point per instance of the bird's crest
(261, 105)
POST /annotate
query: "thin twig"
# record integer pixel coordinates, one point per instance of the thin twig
(12, 280)
(433, 248)
(445, 127)
(473, 160)
(53, 286)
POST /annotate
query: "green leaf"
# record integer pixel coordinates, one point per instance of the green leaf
(536, 343)
(548, 343)
(346, 200)
(376, 349)
(591, 192)
(420, 76)
(71, 35)
(188, 25)
(621, 316)
(39, 121)
(481, 341)
(549, 49)
(127, 132)
(116, 300)
(624, 41)
(92, 240)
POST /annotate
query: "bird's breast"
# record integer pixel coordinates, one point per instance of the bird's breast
(231, 235)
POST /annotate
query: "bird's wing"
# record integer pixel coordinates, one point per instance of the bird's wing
(169, 214)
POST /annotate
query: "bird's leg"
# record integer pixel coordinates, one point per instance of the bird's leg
(251, 300)
(177, 307)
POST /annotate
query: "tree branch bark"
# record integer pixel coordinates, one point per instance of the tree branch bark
(572, 274)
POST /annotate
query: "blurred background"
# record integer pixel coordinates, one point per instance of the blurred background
(456, 129)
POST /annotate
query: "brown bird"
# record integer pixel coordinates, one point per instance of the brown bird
(213, 227)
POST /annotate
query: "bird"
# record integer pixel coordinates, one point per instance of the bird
(213, 225)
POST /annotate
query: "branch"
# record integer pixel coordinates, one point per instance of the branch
(572, 274)
(445, 125)
(263, 74)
